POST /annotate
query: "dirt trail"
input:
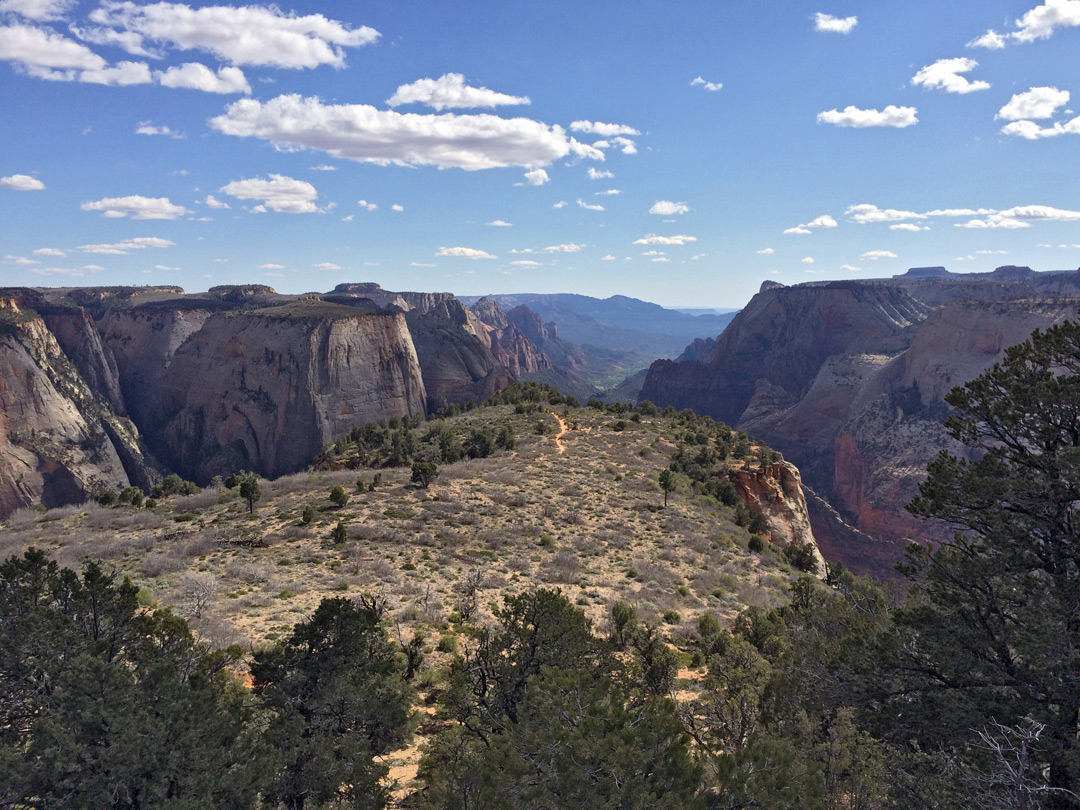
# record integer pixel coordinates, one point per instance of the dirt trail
(560, 448)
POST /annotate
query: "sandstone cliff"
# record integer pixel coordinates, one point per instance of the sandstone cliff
(59, 441)
(510, 345)
(848, 382)
(776, 492)
(266, 390)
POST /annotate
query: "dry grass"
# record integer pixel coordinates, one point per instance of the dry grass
(579, 511)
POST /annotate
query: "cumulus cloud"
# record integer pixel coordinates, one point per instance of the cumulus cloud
(766, 251)
(799, 230)
(50, 252)
(122, 74)
(807, 260)
(866, 212)
(450, 91)
(365, 134)
(1022, 216)
(1032, 131)
(463, 253)
(712, 87)
(891, 116)
(851, 268)
(598, 174)
(1034, 103)
(991, 40)
(41, 52)
(396, 207)
(498, 223)
(874, 255)
(327, 266)
(367, 206)
(537, 177)
(125, 247)
(607, 258)
(1040, 22)
(908, 226)
(246, 35)
(668, 208)
(196, 76)
(21, 182)
(823, 221)
(40, 10)
(944, 74)
(137, 207)
(603, 130)
(653, 239)
(624, 145)
(589, 206)
(567, 248)
(212, 202)
(834, 25)
(280, 193)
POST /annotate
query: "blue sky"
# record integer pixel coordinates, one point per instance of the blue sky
(676, 152)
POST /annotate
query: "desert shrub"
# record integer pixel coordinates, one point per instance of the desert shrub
(756, 544)
(338, 496)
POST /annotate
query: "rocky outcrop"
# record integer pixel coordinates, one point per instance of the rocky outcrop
(848, 382)
(59, 442)
(511, 347)
(776, 492)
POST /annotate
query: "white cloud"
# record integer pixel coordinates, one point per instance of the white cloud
(421, 264)
(560, 204)
(525, 263)
(588, 206)
(655, 253)
(365, 134)
(21, 182)
(598, 174)
(908, 226)
(1040, 22)
(324, 168)
(944, 74)
(349, 218)
(50, 252)
(991, 40)
(611, 192)
(697, 256)
(807, 260)
(450, 91)
(1035, 103)
(498, 223)
(891, 116)
(367, 206)
(652, 239)
(396, 207)
(834, 25)
(824, 221)
(196, 76)
(464, 253)
(567, 248)
(327, 266)
(271, 267)
(1031, 131)
(603, 130)
(41, 10)
(712, 87)
(537, 177)
(874, 255)
(137, 207)
(767, 252)
(1022, 216)
(798, 230)
(212, 202)
(246, 35)
(280, 193)
(608, 258)
(20, 260)
(128, 245)
(625, 145)
(661, 259)
(47, 55)
(123, 74)
(146, 128)
(867, 212)
(851, 268)
(667, 208)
